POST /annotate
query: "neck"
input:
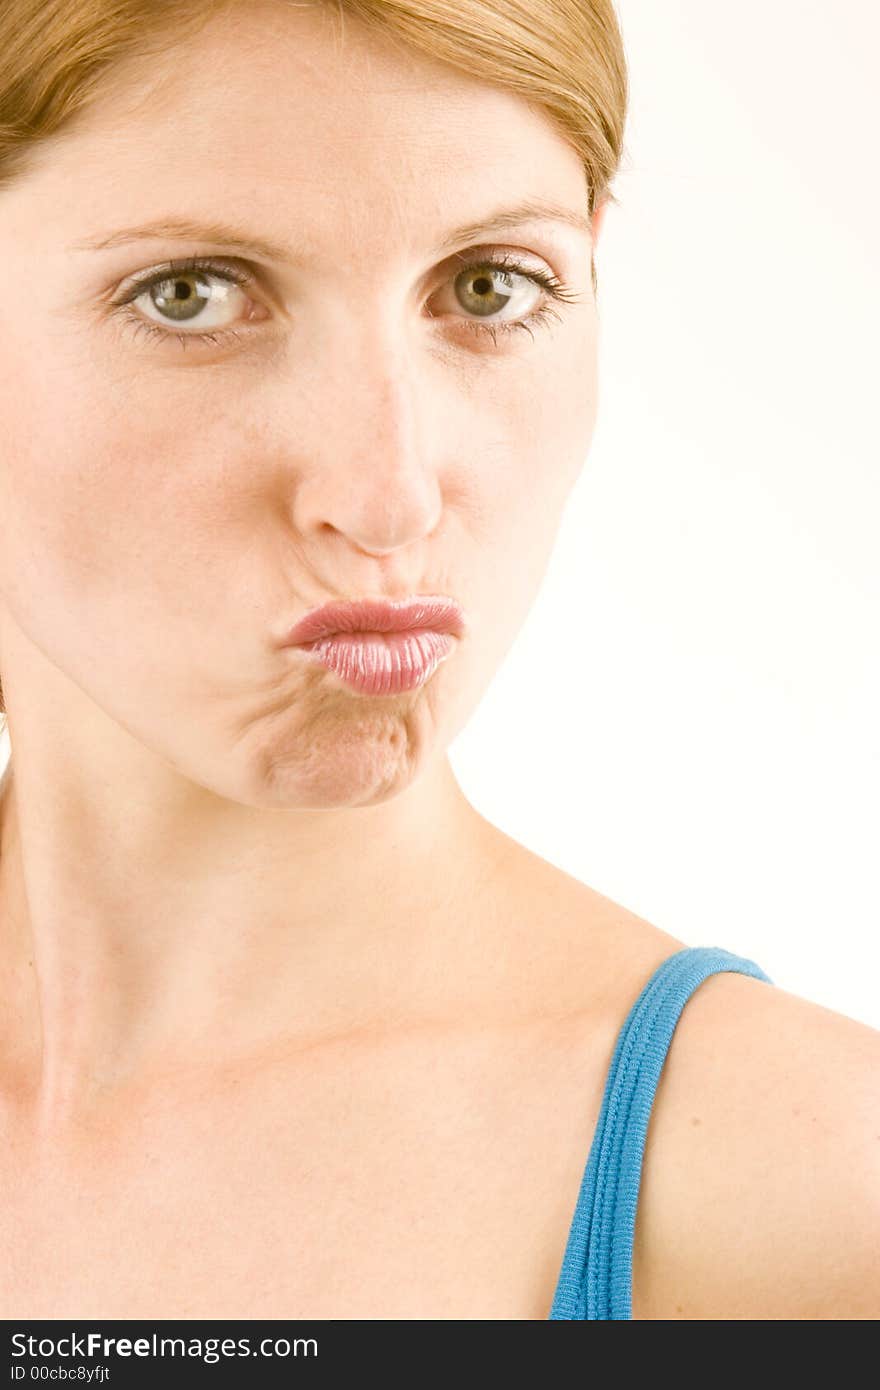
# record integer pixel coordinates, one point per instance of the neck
(142, 935)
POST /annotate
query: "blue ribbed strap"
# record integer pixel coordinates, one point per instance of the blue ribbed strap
(596, 1276)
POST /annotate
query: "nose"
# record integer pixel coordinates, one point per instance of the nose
(373, 474)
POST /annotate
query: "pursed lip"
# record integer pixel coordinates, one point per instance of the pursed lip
(436, 612)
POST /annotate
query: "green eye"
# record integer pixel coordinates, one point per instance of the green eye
(186, 291)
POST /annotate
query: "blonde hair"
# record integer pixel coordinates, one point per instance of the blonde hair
(564, 57)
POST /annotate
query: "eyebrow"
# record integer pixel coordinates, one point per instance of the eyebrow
(532, 210)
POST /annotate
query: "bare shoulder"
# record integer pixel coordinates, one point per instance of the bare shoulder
(570, 945)
(760, 1190)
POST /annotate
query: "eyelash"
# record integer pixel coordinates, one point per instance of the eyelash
(233, 274)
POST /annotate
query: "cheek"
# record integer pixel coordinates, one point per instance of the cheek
(548, 422)
(523, 474)
(92, 511)
(66, 497)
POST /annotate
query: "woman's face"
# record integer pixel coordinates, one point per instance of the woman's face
(360, 424)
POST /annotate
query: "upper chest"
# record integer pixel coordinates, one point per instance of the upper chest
(431, 1178)
(436, 1181)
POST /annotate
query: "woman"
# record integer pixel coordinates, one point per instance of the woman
(300, 311)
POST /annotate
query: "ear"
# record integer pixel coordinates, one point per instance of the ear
(597, 219)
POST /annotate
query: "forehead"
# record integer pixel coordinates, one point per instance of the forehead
(278, 117)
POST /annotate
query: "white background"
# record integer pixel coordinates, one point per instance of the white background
(707, 754)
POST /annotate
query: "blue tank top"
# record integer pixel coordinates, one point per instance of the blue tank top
(596, 1276)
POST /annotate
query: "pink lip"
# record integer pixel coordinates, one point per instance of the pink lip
(382, 663)
(433, 612)
(378, 647)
